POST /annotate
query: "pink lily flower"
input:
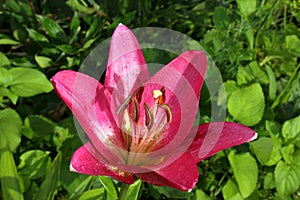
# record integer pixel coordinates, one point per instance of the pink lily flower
(142, 125)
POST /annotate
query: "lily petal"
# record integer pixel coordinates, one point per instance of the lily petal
(216, 136)
(182, 174)
(85, 163)
(89, 102)
(183, 78)
(126, 68)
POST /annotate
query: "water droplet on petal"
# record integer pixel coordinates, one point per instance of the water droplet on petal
(82, 168)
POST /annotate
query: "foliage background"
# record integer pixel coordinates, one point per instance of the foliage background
(255, 44)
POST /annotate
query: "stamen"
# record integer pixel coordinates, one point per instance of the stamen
(136, 110)
(149, 117)
(168, 112)
(124, 104)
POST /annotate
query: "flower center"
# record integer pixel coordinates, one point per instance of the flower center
(142, 124)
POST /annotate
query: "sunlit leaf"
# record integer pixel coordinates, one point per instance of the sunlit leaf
(10, 184)
(245, 171)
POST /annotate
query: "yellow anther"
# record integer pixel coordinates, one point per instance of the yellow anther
(157, 93)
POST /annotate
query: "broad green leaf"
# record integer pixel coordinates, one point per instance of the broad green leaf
(36, 36)
(230, 191)
(22, 62)
(50, 183)
(276, 154)
(251, 73)
(41, 126)
(94, 194)
(34, 163)
(7, 41)
(133, 190)
(272, 83)
(291, 128)
(262, 148)
(5, 77)
(109, 186)
(4, 61)
(10, 184)
(246, 6)
(292, 43)
(29, 82)
(287, 178)
(245, 171)
(200, 195)
(247, 105)
(230, 86)
(269, 181)
(10, 126)
(287, 153)
(43, 61)
(52, 28)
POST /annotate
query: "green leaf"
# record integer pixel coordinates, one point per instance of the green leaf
(10, 184)
(41, 126)
(133, 190)
(269, 181)
(10, 126)
(276, 154)
(291, 128)
(36, 36)
(230, 191)
(246, 6)
(52, 28)
(245, 171)
(50, 184)
(200, 195)
(94, 194)
(262, 148)
(5, 77)
(83, 186)
(29, 82)
(76, 5)
(7, 41)
(220, 18)
(287, 179)
(247, 105)
(251, 73)
(272, 83)
(109, 187)
(34, 163)
(292, 43)
(172, 193)
(287, 153)
(4, 61)
(230, 86)
(43, 61)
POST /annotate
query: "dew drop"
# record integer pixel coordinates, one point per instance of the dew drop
(82, 168)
